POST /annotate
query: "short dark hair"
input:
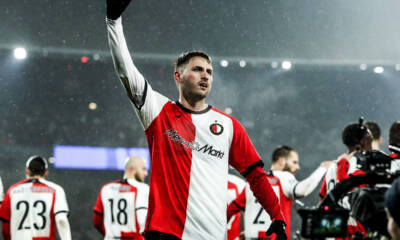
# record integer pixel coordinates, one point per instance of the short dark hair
(394, 134)
(374, 128)
(353, 133)
(281, 151)
(184, 58)
(37, 165)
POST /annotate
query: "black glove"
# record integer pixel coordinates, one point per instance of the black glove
(116, 7)
(279, 228)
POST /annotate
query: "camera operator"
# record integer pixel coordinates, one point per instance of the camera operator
(356, 137)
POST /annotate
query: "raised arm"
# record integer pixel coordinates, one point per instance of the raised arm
(148, 103)
(131, 78)
(306, 186)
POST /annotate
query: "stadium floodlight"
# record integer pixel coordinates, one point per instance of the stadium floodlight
(224, 63)
(242, 63)
(378, 70)
(274, 64)
(92, 106)
(286, 65)
(363, 67)
(20, 53)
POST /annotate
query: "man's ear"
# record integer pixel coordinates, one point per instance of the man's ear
(281, 161)
(178, 76)
(46, 173)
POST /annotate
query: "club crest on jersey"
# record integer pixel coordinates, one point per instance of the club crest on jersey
(216, 128)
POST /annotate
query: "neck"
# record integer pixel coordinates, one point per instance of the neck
(274, 167)
(35, 177)
(129, 176)
(375, 145)
(194, 105)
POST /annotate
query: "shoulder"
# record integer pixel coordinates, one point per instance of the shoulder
(110, 184)
(18, 184)
(139, 185)
(53, 185)
(283, 175)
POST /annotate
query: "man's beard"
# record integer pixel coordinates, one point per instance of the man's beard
(191, 95)
(287, 168)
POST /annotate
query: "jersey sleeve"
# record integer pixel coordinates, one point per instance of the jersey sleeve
(60, 204)
(288, 183)
(148, 103)
(306, 186)
(242, 154)
(98, 207)
(141, 206)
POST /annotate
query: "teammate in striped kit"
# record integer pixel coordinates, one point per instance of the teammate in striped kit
(121, 207)
(32, 208)
(191, 145)
(285, 164)
(235, 187)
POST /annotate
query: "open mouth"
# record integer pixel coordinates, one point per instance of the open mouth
(203, 84)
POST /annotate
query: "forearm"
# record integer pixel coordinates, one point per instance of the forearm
(131, 78)
(306, 186)
(264, 193)
(63, 227)
(141, 217)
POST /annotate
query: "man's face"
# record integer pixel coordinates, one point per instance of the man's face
(196, 79)
(141, 172)
(292, 163)
(392, 228)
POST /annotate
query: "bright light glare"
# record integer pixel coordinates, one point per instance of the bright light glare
(242, 63)
(20, 53)
(286, 65)
(228, 110)
(92, 106)
(224, 63)
(397, 67)
(274, 64)
(378, 70)
(363, 67)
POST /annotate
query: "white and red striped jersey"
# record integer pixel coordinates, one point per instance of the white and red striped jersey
(121, 203)
(190, 152)
(30, 207)
(256, 219)
(235, 187)
(286, 188)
